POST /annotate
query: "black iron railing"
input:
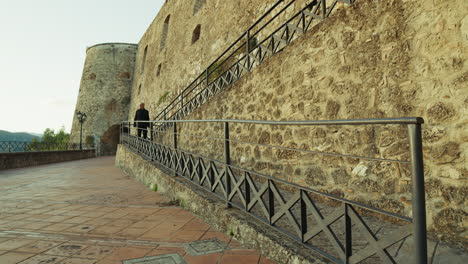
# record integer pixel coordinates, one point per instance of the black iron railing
(341, 230)
(254, 46)
(27, 146)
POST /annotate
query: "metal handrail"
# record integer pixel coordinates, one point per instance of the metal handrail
(191, 166)
(238, 40)
(202, 82)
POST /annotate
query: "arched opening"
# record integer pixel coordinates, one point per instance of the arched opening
(196, 33)
(165, 31)
(144, 59)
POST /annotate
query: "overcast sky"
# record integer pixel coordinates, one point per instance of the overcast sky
(42, 53)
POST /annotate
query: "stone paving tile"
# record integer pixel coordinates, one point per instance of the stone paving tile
(131, 232)
(66, 249)
(95, 252)
(65, 214)
(35, 225)
(128, 253)
(186, 236)
(39, 259)
(58, 227)
(204, 259)
(15, 243)
(14, 257)
(38, 246)
(77, 261)
(214, 234)
(105, 230)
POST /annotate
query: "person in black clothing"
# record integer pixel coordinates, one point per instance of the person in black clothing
(142, 115)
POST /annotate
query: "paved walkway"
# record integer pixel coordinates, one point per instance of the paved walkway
(88, 211)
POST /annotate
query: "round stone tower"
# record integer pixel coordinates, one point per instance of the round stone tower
(104, 95)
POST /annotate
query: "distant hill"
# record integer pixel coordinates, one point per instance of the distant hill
(18, 136)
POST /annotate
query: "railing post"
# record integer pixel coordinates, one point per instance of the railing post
(247, 37)
(227, 153)
(303, 215)
(271, 202)
(175, 148)
(418, 193)
(208, 76)
(324, 9)
(348, 234)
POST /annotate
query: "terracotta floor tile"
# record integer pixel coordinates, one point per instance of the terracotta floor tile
(147, 211)
(18, 217)
(15, 243)
(236, 259)
(114, 215)
(131, 232)
(35, 225)
(38, 247)
(104, 261)
(108, 209)
(204, 259)
(93, 214)
(166, 250)
(57, 219)
(220, 236)
(128, 253)
(40, 211)
(95, 252)
(58, 227)
(58, 212)
(136, 217)
(77, 220)
(39, 259)
(39, 217)
(196, 225)
(145, 224)
(99, 221)
(170, 226)
(74, 213)
(168, 211)
(66, 249)
(77, 261)
(106, 230)
(157, 235)
(121, 222)
(14, 257)
(80, 229)
(264, 260)
(186, 236)
(16, 223)
(3, 252)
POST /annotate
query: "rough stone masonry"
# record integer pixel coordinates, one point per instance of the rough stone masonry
(373, 59)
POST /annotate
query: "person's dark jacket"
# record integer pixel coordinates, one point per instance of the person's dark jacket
(141, 115)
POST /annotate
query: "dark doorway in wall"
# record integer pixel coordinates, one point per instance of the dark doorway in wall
(196, 33)
(165, 31)
(110, 140)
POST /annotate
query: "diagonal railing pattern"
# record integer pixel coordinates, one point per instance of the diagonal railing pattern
(296, 210)
(246, 53)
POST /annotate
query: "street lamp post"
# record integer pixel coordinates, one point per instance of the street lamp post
(81, 119)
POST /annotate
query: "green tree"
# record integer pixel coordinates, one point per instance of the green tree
(51, 140)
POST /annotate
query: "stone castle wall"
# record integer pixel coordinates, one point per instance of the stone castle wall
(374, 59)
(105, 93)
(168, 61)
